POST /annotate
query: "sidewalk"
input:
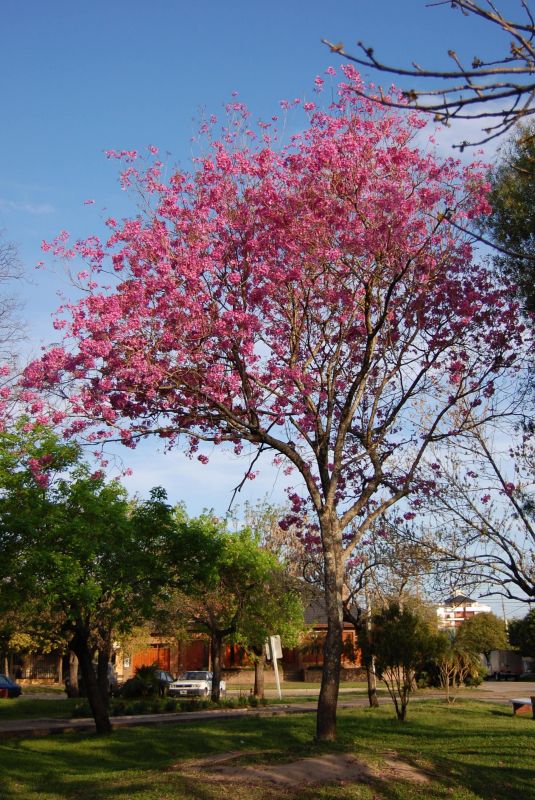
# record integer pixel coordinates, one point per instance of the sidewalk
(45, 727)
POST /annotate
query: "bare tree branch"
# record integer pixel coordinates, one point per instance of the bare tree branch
(467, 92)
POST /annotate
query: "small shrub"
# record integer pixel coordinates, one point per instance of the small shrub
(132, 688)
(118, 708)
(82, 709)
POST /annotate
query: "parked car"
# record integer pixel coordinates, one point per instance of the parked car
(113, 682)
(164, 680)
(9, 688)
(197, 683)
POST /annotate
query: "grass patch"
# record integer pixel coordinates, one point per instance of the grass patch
(36, 708)
(468, 751)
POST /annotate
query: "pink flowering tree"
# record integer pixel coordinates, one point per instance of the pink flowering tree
(311, 298)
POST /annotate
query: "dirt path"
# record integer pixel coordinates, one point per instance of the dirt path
(339, 768)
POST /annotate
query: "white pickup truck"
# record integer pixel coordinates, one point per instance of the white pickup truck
(194, 684)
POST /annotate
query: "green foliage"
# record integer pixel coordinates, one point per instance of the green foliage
(522, 634)
(231, 585)
(482, 633)
(401, 641)
(71, 545)
(75, 554)
(457, 664)
(142, 684)
(512, 223)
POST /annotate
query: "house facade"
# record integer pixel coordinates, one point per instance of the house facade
(458, 608)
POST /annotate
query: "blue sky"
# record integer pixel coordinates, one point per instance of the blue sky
(79, 77)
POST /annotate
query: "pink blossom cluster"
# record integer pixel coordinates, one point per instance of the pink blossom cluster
(318, 289)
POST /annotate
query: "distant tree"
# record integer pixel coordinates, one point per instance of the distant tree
(499, 92)
(455, 662)
(230, 588)
(482, 633)
(267, 522)
(512, 222)
(278, 607)
(274, 608)
(522, 634)
(401, 641)
(74, 548)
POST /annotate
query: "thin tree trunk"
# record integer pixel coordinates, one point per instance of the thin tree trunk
(332, 650)
(371, 677)
(72, 689)
(259, 664)
(215, 653)
(99, 708)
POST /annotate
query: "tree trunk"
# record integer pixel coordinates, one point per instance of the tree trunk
(372, 684)
(103, 676)
(79, 644)
(215, 653)
(259, 663)
(332, 650)
(71, 687)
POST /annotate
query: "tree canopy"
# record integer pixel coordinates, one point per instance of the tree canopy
(75, 551)
(522, 634)
(230, 588)
(482, 633)
(512, 221)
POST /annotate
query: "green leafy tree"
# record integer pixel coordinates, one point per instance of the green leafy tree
(512, 222)
(400, 640)
(73, 547)
(522, 634)
(230, 588)
(274, 606)
(455, 663)
(482, 633)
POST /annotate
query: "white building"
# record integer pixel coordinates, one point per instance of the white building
(457, 608)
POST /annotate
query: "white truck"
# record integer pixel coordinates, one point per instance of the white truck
(504, 664)
(196, 683)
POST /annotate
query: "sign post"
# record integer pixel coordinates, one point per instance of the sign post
(274, 651)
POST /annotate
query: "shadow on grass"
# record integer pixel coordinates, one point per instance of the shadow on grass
(475, 750)
(99, 768)
(478, 748)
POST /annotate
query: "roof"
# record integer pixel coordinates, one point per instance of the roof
(458, 600)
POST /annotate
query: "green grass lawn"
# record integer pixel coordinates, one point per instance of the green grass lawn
(37, 708)
(469, 751)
